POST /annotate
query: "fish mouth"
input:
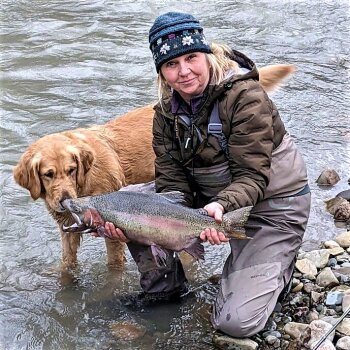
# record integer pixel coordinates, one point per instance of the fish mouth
(78, 226)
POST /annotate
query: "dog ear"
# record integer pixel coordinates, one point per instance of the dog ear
(26, 173)
(84, 158)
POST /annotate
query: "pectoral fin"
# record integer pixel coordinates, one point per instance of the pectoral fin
(195, 248)
(159, 255)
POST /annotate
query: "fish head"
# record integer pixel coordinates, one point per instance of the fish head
(87, 219)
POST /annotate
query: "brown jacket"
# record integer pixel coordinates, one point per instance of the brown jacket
(252, 127)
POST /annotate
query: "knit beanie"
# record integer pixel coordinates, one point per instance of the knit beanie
(174, 34)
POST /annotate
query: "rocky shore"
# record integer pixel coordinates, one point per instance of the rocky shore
(319, 298)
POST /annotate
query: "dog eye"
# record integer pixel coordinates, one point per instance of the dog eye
(49, 174)
(71, 171)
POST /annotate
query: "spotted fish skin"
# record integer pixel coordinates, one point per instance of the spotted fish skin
(153, 219)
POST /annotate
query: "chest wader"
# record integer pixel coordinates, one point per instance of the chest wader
(209, 181)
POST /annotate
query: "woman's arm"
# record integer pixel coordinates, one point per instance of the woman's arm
(250, 145)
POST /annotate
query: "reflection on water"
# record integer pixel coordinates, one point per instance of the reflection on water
(67, 65)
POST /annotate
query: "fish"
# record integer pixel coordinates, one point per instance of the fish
(158, 220)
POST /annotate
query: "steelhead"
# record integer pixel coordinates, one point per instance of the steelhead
(152, 219)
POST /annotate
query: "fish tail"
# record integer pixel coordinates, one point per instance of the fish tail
(234, 223)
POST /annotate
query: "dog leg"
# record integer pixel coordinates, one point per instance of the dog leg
(70, 245)
(115, 253)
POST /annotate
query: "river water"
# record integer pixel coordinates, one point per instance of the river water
(68, 64)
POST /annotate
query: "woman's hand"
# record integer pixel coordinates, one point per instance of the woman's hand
(113, 233)
(215, 210)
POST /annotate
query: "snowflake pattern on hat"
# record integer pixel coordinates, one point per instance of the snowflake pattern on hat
(164, 49)
(176, 44)
(187, 40)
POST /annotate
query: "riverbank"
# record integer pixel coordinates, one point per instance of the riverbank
(319, 297)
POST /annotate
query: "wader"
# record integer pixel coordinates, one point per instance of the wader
(257, 270)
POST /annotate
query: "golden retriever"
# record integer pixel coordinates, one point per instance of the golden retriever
(99, 159)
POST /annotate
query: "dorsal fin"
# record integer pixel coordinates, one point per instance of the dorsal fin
(174, 197)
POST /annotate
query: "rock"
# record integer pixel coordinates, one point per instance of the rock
(326, 278)
(346, 302)
(306, 267)
(342, 213)
(344, 194)
(309, 286)
(330, 244)
(295, 329)
(334, 298)
(332, 262)
(225, 342)
(270, 339)
(318, 257)
(326, 345)
(344, 327)
(298, 288)
(328, 177)
(333, 204)
(312, 316)
(335, 251)
(318, 329)
(315, 297)
(127, 331)
(343, 239)
(343, 258)
(343, 343)
(215, 279)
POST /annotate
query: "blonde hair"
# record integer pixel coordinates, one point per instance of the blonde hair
(219, 62)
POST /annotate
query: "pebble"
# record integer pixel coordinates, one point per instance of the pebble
(334, 298)
(328, 177)
(343, 343)
(343, 239)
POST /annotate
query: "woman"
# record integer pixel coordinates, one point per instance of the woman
(219, 139)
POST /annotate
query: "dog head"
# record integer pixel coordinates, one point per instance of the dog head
(54, 168)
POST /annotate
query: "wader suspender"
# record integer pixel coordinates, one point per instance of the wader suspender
(215, 128)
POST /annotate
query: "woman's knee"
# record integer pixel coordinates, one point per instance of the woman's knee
(240, 327)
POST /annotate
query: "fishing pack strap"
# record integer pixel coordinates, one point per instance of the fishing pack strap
(215, 128)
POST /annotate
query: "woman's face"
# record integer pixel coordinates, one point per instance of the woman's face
(187, 74)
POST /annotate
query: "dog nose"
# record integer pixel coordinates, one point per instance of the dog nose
(65, 195)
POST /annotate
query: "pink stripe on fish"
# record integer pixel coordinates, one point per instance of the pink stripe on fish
(156, 221)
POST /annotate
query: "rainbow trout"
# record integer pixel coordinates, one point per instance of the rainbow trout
(152, 219)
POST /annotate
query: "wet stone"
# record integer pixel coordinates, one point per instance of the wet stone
(229, 343)
(334, 298)
(319, 328)
(343, 343)
(344, 327)
(330, 244)
(343, 239)
(328, 177)
(318, 257)
(127, 331)
(306, 267)
(336, 251)
(332, 262)
(326, 278)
